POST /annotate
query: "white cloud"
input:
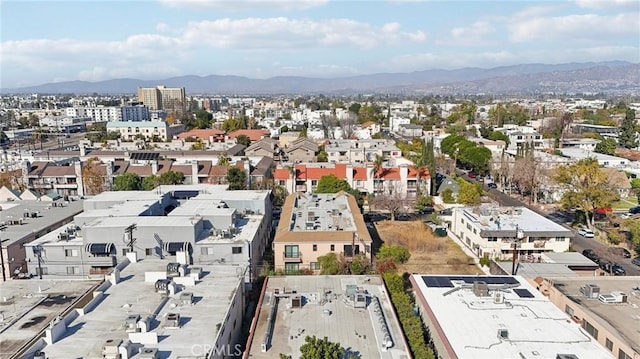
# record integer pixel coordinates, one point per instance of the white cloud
(608, 4)
(241, 5)
(571, 27)
(475, 35)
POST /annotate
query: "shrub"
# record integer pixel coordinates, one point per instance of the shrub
(614, 237)
(447, 196)
(399, 254)
(484, 261)
(385, 265)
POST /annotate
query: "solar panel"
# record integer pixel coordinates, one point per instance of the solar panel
(523, 293)
(144, 156)
(487, 279)
(437, 282)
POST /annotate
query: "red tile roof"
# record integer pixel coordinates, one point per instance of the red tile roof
(413, 173)
(253, 135)
(142, 171)
(315, 173)
(201, 133)
(360, 173)
(281, 174)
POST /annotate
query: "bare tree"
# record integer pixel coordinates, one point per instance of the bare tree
(444, 164)
(502, 171)
(527, 174)
(393, 199)
(328, 123)
(348, 125)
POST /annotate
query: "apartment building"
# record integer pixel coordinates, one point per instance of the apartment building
(129, 130)
(605, 307)
(360, 151)
(162, 98)
(312, 225)
(493, 232)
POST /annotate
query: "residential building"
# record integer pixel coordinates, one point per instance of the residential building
(65, 123)
(110, 113)
(301, 150)
(360, 151)
(143, 309)
(585, 144)
(312, 225)
(605, 307)
(577, 154)
(162, 98)
(197, 224)
(147, 129)
(410, 130)
(264, 147)
(565, 264)
(492, 232)
(354, 311)
(522, 136)
(501, 317)
(253, 135)
(402, 181)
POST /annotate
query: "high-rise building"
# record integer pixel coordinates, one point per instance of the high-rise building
(162, 98)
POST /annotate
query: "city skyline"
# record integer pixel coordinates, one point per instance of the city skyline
(53, 41)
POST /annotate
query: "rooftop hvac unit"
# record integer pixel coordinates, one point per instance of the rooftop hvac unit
(614, 297)
(503, 334)
(39, 355)
(590, 291)
(162, 286)
(110, 349)
(566, 356)
(186, 298)
(498, 297)
(172, 320)
(480, 289)
(131, 323)
(148, 353)
(173, 267)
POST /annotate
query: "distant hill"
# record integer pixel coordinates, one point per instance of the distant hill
(615, 77)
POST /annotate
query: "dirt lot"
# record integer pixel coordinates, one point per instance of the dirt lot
(429, 254)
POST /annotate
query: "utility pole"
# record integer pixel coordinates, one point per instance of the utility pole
(4, 274)
(516, 244)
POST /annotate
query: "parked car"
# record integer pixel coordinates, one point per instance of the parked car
(586, 233)
(612, 268)
(589, 253)
(492, 185)
(634, 210)
(636, 261)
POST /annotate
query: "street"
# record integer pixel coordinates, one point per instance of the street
(578, 243)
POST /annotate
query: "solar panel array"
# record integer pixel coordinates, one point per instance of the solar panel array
(446, 281)
(523, 293)
(145, 156)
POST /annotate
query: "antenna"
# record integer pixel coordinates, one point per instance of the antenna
(129, 232)
(37, 251)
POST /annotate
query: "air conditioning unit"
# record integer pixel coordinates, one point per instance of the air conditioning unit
(590, 291)
(148, 353)
(498, 297)
(172, 320)
(110, 349)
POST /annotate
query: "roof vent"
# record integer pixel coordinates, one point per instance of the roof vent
(503, 334)
(480, 289)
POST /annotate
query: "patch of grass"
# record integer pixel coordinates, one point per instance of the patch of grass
(625, 204)
(429, 254)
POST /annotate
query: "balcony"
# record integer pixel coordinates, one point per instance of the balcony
(292, 257)
(102, 261)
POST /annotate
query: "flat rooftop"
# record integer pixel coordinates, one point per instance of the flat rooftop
(47, 215)
(497, 219)
(322, 212)
(201, 208)
(212, 296)
(579, 153)
(246, 229)
(27, 307)
(352, 327)
(472, 324)
(623, 319)
(143, 221)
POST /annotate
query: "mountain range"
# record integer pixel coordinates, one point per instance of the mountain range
(613, 77)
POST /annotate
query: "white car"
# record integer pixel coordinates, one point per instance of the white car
(586, 233)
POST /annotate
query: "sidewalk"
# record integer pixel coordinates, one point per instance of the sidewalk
(467, 251)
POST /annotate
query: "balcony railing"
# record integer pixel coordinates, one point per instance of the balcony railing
(292, 257)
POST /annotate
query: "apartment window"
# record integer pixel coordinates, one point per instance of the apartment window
(568, 310)
(70, 252)
(492, 239)
(236, 250)
(468, 226)
(206, 251)
(474, 231)
(282, 183)
(590, 329)
(72, 270)
(314, 266)
(623, 355)
(314, 182)
(609, 344)
(333, 247)
(315, 247)
(148, 252)
(291, 251)
(559, 239)
(291, 267)
(462, 220)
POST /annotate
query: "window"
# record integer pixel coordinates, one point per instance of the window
(623, 355)
(206, 251)
(559, 239)
(333, 247)
(468, 226)
(291, 267)
(474, 231)
(609, 344)
(149, 251)
(590, 329)
(236, 250)
(72, 270)
(315, 247)
(314, 266)
(70, 252)
(568, 310)
(492, 239)
(314, 182)
(291, 251)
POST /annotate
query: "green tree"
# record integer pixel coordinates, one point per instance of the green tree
(316, 348)
(243, 140)
(149, 183)
(397, 253)
(332, 184)
(237, 178)
(633, 228)
(447, 196)
(469, 193)
(279, 194)
(203, 119)
(498, 136)
(628, 134)
(424, 202)
(607, 146)
(198, 145)
(323, 156)
(330, 264)
(171, 178)
(635, 183)
(223, 160)
(587, 187)
(358, 265)
(127, 182)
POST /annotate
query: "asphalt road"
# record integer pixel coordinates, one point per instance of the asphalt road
(578, 243)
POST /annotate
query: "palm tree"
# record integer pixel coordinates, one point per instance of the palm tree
(293, 172)
(377, 169)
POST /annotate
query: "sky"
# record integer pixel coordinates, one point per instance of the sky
(51, 41)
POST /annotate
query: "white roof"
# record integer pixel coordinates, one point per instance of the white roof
(536, 327)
